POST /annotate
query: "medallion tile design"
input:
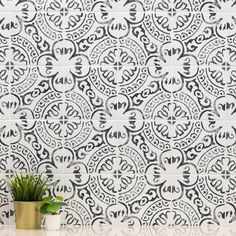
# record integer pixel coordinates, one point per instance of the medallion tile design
(129, 106)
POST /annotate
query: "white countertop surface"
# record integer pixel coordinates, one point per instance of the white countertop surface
(117, 231)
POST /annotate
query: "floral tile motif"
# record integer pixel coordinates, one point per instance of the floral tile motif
(127, 105)
(117, 214)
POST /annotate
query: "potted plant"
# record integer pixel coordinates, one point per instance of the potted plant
(50, 208)
(27, 191)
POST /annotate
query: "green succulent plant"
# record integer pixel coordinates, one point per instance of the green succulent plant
(27, 187)
(51, 205)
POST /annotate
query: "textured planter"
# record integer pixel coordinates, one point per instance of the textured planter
(52, 222)
(27, 215)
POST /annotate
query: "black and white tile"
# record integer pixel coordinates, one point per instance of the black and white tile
(128, 106)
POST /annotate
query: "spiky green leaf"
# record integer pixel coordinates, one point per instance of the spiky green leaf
(27, 187)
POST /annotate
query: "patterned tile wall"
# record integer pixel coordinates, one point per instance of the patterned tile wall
(128, 106)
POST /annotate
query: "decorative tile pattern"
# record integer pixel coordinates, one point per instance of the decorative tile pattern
(129, 106)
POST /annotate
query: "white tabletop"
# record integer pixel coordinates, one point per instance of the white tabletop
(117, 231)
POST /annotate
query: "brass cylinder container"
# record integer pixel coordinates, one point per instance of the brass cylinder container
(27, 215)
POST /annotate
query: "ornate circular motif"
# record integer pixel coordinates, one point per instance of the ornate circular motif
(208, 195)
(48, 27)
(22, 159)
(184, 214)
(186, 24)
(58, 121)
(118, 25)
(165, 17)
(157, 214)
(160, 214)
(18, 62)
(49, 131)
(219, 169)
(116, 174)
(59, 17)
(171, 6)
(76, 214)
(171, 119)
(84, 22)
(157, 28)
(118, 66)
(17, 159)
(77, 119)
(64, 5)
(129, 106)
(218, 67)
(24, 53)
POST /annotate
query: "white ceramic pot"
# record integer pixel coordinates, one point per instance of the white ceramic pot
(53, 222)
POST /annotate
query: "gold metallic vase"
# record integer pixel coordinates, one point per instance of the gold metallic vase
(27, 215)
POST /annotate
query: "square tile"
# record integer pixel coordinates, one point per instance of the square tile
(49, 26)
(158, 26)
(50, 133)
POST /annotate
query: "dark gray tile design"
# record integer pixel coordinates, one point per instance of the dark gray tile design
(128, 106)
